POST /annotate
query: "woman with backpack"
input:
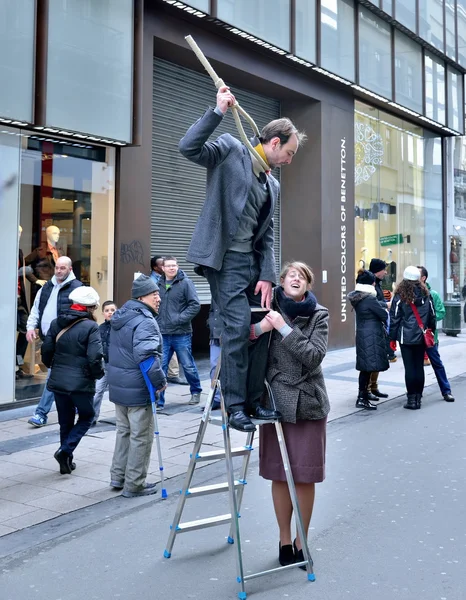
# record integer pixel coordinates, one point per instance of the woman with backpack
(411, 314)
(73, 351)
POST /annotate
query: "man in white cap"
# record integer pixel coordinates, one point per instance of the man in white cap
(134, 337)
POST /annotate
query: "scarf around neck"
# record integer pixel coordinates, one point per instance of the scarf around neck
(293, 309)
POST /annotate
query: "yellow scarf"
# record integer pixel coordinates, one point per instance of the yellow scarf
(260, 150)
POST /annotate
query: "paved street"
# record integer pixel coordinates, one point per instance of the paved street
(389, 523)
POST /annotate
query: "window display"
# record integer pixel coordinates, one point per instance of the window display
(398, 195)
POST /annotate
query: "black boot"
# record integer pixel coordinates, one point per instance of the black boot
(378, 394)
(64, 460)
(418, 400)
(363, 401)
(411, 403)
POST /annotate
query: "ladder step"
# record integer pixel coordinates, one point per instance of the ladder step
(203, 523)
(214, 454)
(215, 488)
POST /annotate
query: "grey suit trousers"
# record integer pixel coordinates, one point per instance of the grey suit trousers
(244, 363)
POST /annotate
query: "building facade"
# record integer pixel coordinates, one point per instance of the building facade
(66, 107)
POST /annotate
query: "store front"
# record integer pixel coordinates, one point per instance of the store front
(398, 195)
(56, 199)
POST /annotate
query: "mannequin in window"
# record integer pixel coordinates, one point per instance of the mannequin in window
(363, 259)
(43, 259)
(390, 278)
(22, 310)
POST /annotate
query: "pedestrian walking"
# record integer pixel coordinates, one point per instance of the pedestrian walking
(134, 337)
(411, 313)
(233, 241)
(179, 305)
(73, 351)
(51, 301)
(371, 334)
(433, 353)
(108, 309)
(298, 346)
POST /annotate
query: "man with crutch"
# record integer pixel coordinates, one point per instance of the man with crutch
(233, 244)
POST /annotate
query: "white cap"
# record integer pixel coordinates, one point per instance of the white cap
(85, 295)
(412, 274)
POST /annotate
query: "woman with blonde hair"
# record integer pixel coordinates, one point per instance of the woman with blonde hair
(298, 346)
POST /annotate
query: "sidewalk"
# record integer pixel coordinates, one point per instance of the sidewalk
(33, 491)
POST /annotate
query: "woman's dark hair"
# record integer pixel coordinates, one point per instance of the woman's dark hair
(90, 310)
(405, 290)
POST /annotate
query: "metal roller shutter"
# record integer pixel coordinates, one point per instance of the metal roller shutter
(178, 186)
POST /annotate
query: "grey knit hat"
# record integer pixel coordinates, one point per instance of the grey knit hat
(143, 286)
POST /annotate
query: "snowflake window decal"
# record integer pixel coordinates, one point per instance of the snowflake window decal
(368, 151)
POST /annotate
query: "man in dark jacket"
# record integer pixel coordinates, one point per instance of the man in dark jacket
(134, 337)
(51, 301)
(179, 305)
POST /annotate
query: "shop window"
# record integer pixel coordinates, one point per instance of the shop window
(306, 29)
(431, 22)
(398, 174)
(375, 54)
(337, 37)
(267, 19)
(66, 209)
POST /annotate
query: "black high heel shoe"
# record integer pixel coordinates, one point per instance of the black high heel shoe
(286, 555)
(299, 557)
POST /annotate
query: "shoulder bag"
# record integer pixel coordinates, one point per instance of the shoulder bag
(426, 332)
(65, 329)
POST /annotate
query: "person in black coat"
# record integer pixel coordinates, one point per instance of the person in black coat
(73, 351)
(371, 343)
(405, 329)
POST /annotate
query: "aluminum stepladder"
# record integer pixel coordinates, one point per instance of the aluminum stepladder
(234, 487)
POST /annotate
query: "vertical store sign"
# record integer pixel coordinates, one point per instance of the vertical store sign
(343, 230)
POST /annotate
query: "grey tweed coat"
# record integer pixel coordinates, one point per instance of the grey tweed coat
(294, 369)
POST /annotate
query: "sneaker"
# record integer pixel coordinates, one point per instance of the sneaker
(160, 404)
(148, 490)
(37, 421)
(117, 485)
(195, 398)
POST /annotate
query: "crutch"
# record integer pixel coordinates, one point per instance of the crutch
(235, 109)
(145, 368)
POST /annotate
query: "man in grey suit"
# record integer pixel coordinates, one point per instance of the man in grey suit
(233, 245)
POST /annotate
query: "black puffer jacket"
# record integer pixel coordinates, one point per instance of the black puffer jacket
(178, 305)
(105, 336)
(371, 338)
(76, 358)
(134, 337)
(403, 325)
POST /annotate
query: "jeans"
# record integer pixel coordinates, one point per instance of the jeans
(71, 432)
(45, 402)
(439, 369)
(215, 351)
(232, 289)
(133, 445)
(413, 360)
(181, 344)
(101, 386)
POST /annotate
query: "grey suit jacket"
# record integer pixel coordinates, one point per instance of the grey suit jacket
(229, 179)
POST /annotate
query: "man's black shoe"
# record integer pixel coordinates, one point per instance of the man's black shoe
(64, 460)
(177, 380)
(265, 414)
(448, 398)
(378, 394)
(239, 420)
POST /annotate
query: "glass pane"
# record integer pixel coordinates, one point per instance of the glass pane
(450, 43)
(203, 5)
(406, 13)
(398, 195)
(435, 89)
(337, 37)
(408, 72)
(431, 22)
(457, 247)
(461, 19)
(267, 19)
(89, 69)
(67, 208)
(306, 29)
(387, 6)
(9, 192)
(16, 58)
(374, 54)
(455, 100)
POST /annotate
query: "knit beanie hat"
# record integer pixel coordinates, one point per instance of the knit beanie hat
(365, 278)
(143, 286)
(85, 296)
(377, 264)
(411, 274)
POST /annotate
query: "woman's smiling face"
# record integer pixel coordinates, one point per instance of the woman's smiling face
(294, 284)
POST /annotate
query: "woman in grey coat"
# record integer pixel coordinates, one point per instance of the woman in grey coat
(298, 346)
